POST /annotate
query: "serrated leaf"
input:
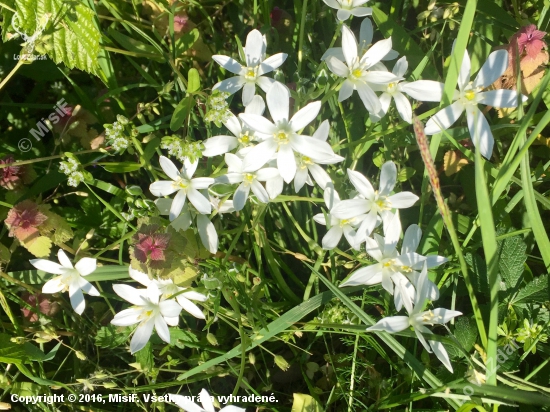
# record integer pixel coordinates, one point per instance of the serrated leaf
(193, 81)
(74, 40)
(39, 246)
(512, 257)
(534, 292)
(181, 112)
(466, 333)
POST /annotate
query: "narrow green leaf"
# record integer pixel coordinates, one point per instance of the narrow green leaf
(182, 112)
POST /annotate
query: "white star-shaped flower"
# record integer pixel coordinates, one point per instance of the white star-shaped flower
(183, 183)
(470, 94)
(338, 227)
(282, 138)
(374, 202)
(204, 398)
(249, 180)
(70, 278)
(422, 90)
(252, 74)
(306, 165)
(419, 319)
(347, 8)
(149, 311)
(168, 289)
(243, 137)
(361, 72)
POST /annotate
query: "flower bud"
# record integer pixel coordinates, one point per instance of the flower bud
(281, 363)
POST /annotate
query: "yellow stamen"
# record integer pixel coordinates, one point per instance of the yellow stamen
(470, 95)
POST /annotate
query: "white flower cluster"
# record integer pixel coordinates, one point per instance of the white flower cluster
(72, 168)
(181, 149)
(218, 109)
(114, 133)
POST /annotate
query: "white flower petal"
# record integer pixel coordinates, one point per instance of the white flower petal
(190, 307)
(332, 237)
(259, 191)
(305, 116)
(267, 173)
(377, 52)
(278, 103)
(346, 90)
(64, 259)
(200, 183)
(162, 188)
(445, 315)
(129, 294)
(142, 335)
(400, 67)
(320, 176)
(441, 353)
(388, 178)
(206, 401)
(374, 249)
(362, 184)
(499, 98)
(349, 46)
(286, 163)
(139, 277)
(464, 74)
(189, 168)
(162, 329)
(411, 239)
(361, 11)
(433, 261)
(367, 226)
(87, 287)
(258, 123)
(169, 308)
(336, 52)
(391, 324)
(48, 266)
(424, 90)
(274, 186)
(347, 209)
(207, 233)
(403, 200)
(343, 15)
(271, 63)
(444, 118)
(241, 196)
(53, 285)
(169, 168)
(259, 155)
(228, 63)
(256, 106)
(337, 67)
(218, 145)
(254, 48)
(177, 204)
(379, 77)
(231, 85)
(249, 90)
(265, 84)
(403, 107)
(192, 295)
(201, 203)
(480, 131)
(332, 3)
(86, 265)
(365, 33)
(368, 97)
(127, 317)
(492, 69)
(77, 298)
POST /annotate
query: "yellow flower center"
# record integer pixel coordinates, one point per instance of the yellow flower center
(181, 183)
(470, 95)
(281, 137)
(345, 222)
(389, 263)
(357, 73)
(406, 269)
(391, 87)
(244, 138)
(248, 178)
(250, 73)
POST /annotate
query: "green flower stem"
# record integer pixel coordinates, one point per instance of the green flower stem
(446, 215)
(45, 159)
(13, 71)
(301, 38)
(488, 235)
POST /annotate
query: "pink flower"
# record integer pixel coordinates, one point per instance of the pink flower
(9, 176)
(530, 40)
(150, 245)
(23, 220)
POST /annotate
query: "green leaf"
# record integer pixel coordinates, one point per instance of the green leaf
(182, 111)
(193, 81)
(466, 334)
(121, 167)
(74, 40)
(533, 292)
(145, 357)
(512, 257)
(112, 336)
(186, 41)
(305, 403)
(11, 352)
(135, 46)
